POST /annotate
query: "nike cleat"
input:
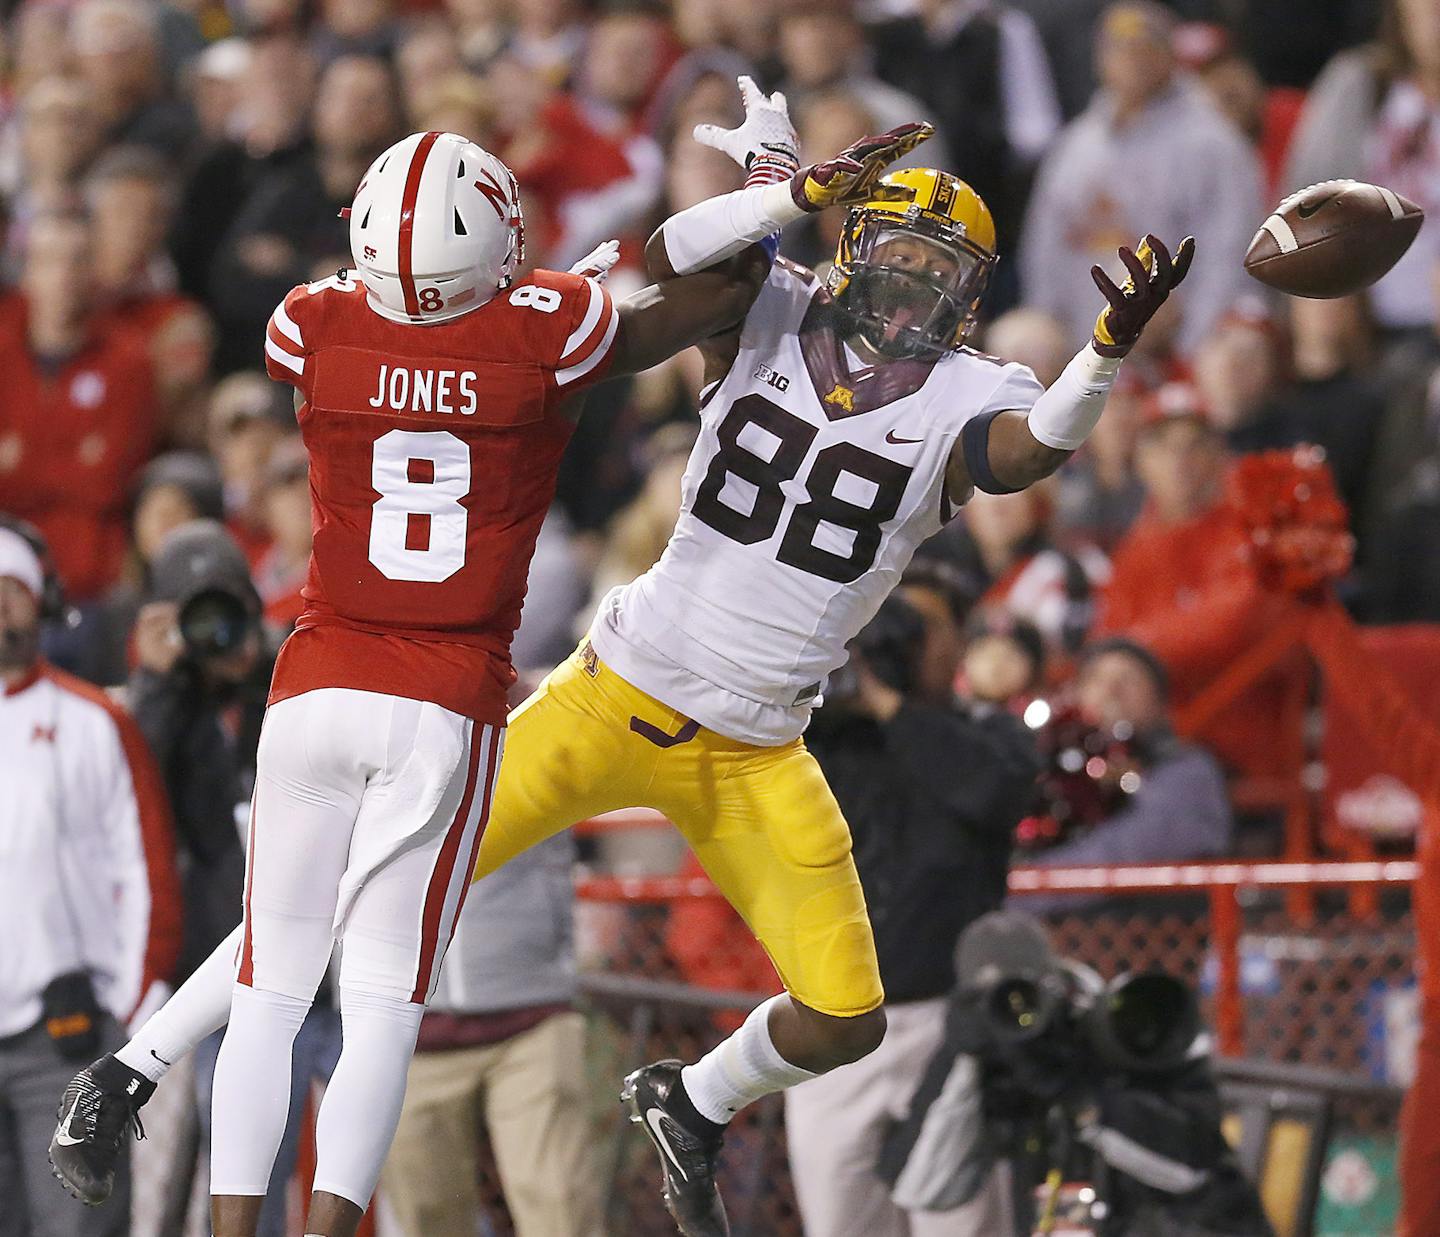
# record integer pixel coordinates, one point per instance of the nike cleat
(98, 1108)
(687, 1157)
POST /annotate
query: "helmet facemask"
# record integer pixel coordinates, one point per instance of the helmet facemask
(911, 284)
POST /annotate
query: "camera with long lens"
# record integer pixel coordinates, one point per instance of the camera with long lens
(1096, 1096)
(1136, 1023)
(214, 623)
(203, 571)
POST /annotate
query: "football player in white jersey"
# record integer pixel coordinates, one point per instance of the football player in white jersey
(841, 425)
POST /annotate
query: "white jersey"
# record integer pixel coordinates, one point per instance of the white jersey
(813, 480)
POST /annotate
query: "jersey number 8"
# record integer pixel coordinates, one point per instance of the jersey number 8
(797, 547)
(421, 478)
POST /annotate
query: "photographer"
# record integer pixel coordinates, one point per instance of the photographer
(198, 694)
(89, 914)
(1098, 1096)
(932, 790)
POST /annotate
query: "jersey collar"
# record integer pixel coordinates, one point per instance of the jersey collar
(841, 391)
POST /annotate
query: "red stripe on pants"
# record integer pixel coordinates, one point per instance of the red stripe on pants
(491, 767)
(246, 974)
(440, 878)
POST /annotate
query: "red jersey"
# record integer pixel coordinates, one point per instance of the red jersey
(433, 457)
(73, 436)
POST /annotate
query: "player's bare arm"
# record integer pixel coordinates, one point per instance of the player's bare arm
(1011, 450)
(668, 316)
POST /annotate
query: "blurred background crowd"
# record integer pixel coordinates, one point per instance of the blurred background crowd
(170, 168)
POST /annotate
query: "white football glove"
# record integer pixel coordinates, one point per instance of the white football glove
(597, 263)
(766, 134)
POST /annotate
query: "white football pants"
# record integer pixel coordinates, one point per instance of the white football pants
(367, 815)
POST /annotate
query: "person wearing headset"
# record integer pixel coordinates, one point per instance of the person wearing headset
(89, 895)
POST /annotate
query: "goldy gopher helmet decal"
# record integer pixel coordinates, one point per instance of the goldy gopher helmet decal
(913, 262)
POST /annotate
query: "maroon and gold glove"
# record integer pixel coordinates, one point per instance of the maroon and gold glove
(850, 176)
(1152, 277)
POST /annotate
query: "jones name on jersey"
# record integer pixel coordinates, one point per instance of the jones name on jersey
(812, 482)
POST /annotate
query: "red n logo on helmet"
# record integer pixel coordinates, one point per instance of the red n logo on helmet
(493, 194)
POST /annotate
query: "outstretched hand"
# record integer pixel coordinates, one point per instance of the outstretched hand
(1153, 275)
(765, 136)
(850, 177)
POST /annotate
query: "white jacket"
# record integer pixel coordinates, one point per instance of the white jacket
(87, 863)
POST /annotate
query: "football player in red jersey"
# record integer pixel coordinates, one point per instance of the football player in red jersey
(435, 394)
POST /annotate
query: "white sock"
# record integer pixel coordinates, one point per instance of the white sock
(199, 1007)
(361, 1108)
(741, 1069)
(251, 1100)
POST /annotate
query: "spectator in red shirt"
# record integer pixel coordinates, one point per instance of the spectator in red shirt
(1267, 115)
(1005, 547)
(548, 37)
(132, 195)
(568, 170)
(79, 418)
(1181, 585)
(627, 56)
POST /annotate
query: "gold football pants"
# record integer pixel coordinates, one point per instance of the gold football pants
(761, 820)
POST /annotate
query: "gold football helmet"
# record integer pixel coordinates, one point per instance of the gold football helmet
(913, 262)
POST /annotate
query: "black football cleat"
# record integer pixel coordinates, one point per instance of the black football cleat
(97, 1110)
(687, 1155)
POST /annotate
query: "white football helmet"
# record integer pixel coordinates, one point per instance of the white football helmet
(435, 228)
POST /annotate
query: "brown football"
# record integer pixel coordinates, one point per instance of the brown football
(1333, 239)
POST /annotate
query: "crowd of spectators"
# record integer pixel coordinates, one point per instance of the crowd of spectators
(170, 168)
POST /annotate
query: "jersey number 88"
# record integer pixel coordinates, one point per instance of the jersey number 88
(797, 546)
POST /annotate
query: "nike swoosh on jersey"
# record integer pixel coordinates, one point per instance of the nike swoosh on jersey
(901, 442)
(62, 1134)
(653, 1118)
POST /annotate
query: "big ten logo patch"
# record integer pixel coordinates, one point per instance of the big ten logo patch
(771, 378)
